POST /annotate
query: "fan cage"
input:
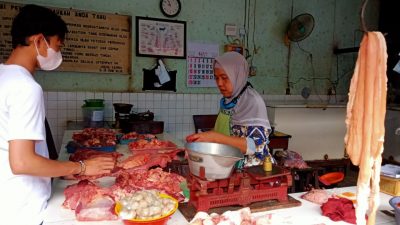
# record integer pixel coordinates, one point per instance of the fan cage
(300, 27)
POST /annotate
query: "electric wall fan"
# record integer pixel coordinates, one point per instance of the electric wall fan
(300, 27)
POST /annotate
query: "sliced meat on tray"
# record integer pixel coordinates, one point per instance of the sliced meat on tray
(151, 179)
(134, 135)
(144, 144)
(95, 137)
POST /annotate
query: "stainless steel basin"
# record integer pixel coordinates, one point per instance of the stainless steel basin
(217, 160)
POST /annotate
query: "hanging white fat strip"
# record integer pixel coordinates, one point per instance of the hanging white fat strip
(365, 122)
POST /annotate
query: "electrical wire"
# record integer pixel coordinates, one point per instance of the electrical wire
(254, 31)
(244, 21)
(363, 25)
(313, 79)
(334, 83)
(288, 57)
(334, 41)
(248, 26)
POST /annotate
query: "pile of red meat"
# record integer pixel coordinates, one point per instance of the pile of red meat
(95, 137)
(339, 209)
(144, 144)
(93, 203)
(133, 135)
(151, 179)
(140, 161)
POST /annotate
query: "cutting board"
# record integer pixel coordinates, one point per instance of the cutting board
(188, 211)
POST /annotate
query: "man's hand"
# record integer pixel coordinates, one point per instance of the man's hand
(99, 165)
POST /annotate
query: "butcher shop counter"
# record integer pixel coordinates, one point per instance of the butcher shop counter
(307, 213)
(55, 214)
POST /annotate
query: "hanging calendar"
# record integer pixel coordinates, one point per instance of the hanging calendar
(200, 61)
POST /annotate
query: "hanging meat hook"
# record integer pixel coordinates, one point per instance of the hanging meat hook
(363, 26)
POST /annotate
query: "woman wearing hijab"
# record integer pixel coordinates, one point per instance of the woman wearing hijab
(242, 120)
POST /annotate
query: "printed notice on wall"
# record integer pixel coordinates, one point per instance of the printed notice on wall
(200, 61)
(96, 42)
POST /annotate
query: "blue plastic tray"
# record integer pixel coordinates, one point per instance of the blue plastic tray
(73, 146)
(393, 202)
(126, 141)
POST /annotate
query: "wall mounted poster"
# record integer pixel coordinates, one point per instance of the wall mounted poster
(160, 38)
(200, 61)
(96, 42)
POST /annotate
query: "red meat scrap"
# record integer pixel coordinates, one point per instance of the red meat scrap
(338, 209)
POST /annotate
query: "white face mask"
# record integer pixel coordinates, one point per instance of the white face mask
(52, 61)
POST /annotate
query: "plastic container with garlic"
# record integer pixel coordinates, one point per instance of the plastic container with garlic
(145, 205)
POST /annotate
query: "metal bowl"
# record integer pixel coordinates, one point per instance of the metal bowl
(122, 108)
(212, 160)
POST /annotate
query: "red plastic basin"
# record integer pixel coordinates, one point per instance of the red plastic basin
(331, 178)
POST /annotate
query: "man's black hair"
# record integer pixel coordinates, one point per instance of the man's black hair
(34, 19)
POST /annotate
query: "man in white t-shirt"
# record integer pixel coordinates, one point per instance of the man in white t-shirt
(25, 170)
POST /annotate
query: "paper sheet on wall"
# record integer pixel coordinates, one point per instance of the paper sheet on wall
(200, 61)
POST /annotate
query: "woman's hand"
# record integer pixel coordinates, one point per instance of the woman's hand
(215, 137)
(99, 165)
(208, 136)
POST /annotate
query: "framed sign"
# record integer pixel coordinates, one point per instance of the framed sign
(96, 42)
(160, 38)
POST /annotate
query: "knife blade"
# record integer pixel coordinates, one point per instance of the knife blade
(388, 212)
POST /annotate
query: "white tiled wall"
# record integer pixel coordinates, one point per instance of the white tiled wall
(175, 110)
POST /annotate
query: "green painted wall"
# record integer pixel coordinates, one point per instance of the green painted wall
(336, 24)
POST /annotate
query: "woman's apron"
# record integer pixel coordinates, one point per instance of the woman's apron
(222, 125)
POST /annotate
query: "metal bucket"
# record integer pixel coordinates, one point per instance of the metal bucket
(212, 160)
